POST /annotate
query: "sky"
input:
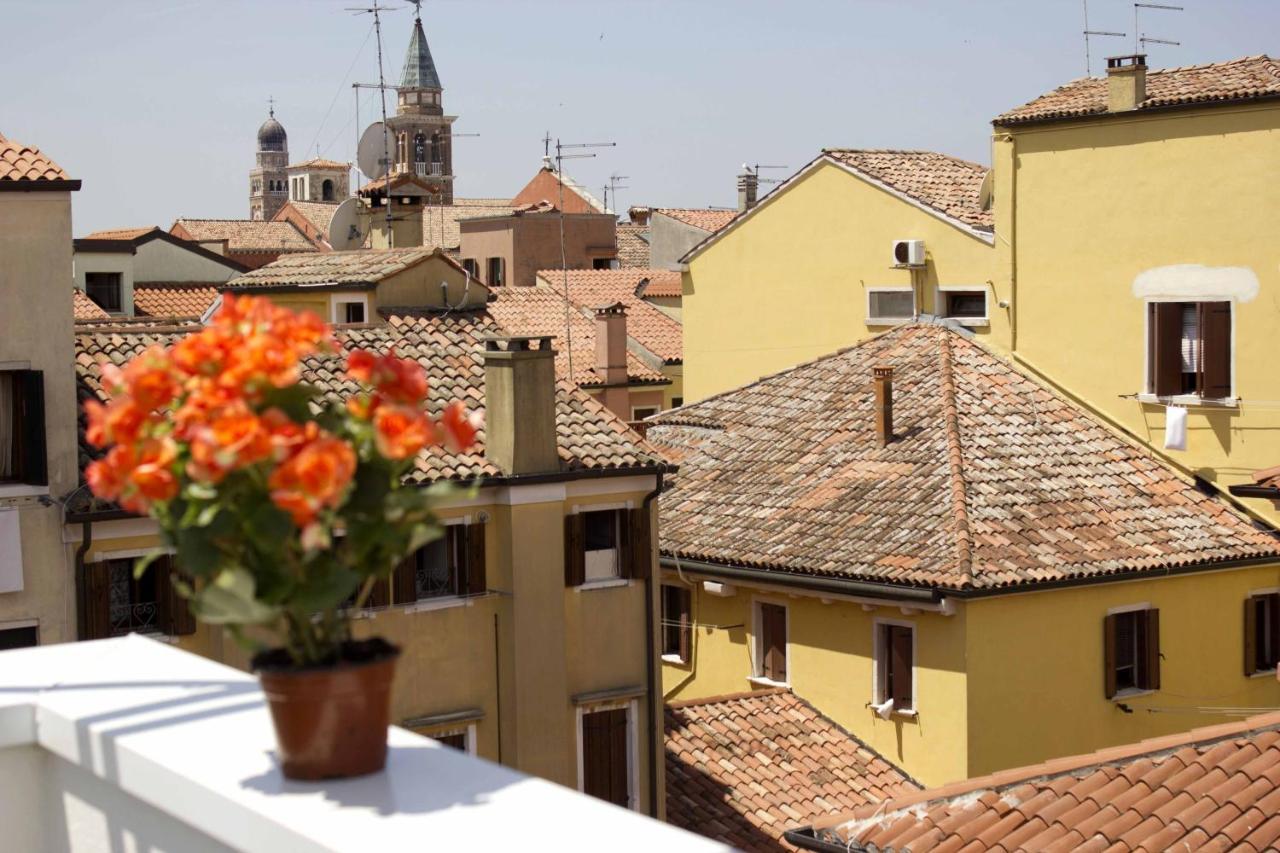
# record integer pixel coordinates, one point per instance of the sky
(155, 105)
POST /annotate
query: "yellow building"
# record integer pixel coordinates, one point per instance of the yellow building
(1137, 243)
(962, 567)
(855, 242)
(529, 631)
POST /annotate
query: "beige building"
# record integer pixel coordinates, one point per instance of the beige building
(509, 249)
(37, 397)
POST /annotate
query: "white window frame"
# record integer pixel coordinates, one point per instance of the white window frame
(940, 303)
(1148, 395)
(337, 306)
(1253, 593)
(675, 658)
(633, 747)
(890, 288)
(443, 602)
(757, 627)
(634, 409)
(879, 662)
(445, 731)
(616, 580)
(1130, 692)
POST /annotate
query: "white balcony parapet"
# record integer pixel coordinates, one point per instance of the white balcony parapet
(129, 743)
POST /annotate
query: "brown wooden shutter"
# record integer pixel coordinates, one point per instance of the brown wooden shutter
(773, 642)
(1165, 352)
(900, 664)
(32, 461)
(595, 755)
(618, 769)
(641, 550)
(477, 582)
(1273, 608)
(575, 558)
(1109, 655)
(685, 598)
(404, 583)
(1151, 678)
(1215, 338)
(380, 595)
(95, 601)
(176, 617)
(1250, 635)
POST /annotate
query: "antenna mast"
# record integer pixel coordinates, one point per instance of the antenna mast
(612, 187)
(1140, 39)
(1088, 65)
(374, 10)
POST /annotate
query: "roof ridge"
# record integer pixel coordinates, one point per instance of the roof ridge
(955, 464)
(731, 697)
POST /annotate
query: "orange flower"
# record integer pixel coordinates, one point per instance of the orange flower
(150, 380)
(400, 380)
(107, 476)
(287, 435)
(153, 475)
(315, 477)
(459, 428)
(121, 422)
(400, 432)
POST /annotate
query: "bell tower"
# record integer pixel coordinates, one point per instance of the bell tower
(421, 132)
(268, 181)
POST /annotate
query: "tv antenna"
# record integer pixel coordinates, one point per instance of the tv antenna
(376, 11)
(1088, 64)
(1140, 39)
(755, 170)
(612, 188)
(564, 264)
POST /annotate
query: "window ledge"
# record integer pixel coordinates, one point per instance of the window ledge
(1131, 693)
(676, 659)
(970, 321)
(605, 584)
(445, 602)
(761, 681)
(887, 321)
(22, 490)
(1190, 400)
(1264, 673)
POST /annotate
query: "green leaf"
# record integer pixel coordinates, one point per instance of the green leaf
(140, 567)
(325, 587)
(269, 526)
(293, 400)
(230, 600)
(201, 491)
(197, 553)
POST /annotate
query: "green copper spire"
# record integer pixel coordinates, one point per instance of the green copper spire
(419, 69)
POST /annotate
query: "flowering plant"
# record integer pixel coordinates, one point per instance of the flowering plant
(280, 504)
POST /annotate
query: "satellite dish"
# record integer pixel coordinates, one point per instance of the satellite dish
(987, 189)
(371, 153)
(344, 228)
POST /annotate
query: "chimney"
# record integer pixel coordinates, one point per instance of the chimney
(611, 358)
(520, 405)
(884, 404)
(1126, 82)
(639, 215)
(748, 184)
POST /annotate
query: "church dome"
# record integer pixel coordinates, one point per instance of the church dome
(271, 136)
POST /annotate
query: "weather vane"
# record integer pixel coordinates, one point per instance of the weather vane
(417, 8)
(271, 105)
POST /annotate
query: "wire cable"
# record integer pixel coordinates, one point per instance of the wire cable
(341, 86)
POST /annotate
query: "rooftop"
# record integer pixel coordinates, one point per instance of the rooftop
(175, 299)
(84, 308)
(358, 267)
(743, 768)
(941, 182)
(419, 68)
(318, 213)
(1249, 78)
(320, 163)
(121, 233)
(246, 235)
(1211, 788)
(633, 245)
(992, 481)
(661, 283)
(648, 326)
(440, 222)
(705, 218)
(25, 163)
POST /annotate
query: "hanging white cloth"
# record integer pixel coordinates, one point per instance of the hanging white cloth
(1175, 428)
(884, 710)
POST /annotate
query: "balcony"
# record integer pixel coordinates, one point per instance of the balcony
(428, 170)
(127, 743)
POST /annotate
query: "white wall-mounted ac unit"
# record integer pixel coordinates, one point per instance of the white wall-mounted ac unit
(908, 253)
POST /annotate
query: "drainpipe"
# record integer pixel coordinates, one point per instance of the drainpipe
(656, 764)
(86, 540)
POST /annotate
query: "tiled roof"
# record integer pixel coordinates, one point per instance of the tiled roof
(539, 310)
(20, 162)
(633, 245)
(1248, 78)
(653, 330)
(449, 347)
(419, 68)
(1269, 477)
(992, 481)
(120, 233)
(318, 213)
(660, 284)
(84, 308)
(446, 234)
(247, 235)
(319, 163)
(699, 217)
(742, 769)
(362, 266)
(174, 299)
(946, 184)
(1214, 788)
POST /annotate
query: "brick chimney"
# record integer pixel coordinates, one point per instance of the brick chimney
(520, 405)
(639, 215)
(884, 404)
(1126, 82)
(748, 186)
(611, 358)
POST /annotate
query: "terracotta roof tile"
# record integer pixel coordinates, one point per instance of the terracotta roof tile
(20, 162)
(174, 299)
(318, 213)
(660, 284)
(744, 768)
(993, 480)
(359, 267)
(705, 218)
(319, 163)
(657, 332)
(633, 245)
(84, 308)
(1248, 78)
(946, 184)
(121, 233)
(440, 222)
(1086, 802)
(247, 235)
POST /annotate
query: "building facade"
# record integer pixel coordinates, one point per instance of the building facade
(421, 133)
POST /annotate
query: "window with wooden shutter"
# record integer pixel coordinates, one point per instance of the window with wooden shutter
(606, 544)
(677, 623)
(113, 602)
(574, 553)
(1131, 651)
(1261, 633)
(1189, 349)
(639, 546)
(772, 643)
(1164, 331)
(1215, 350)
(476, 579)
(895, 646)
(22, 428)
(450, 566)
(176, 618)
(605, 766)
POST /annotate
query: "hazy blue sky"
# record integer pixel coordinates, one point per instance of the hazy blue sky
(154, 105)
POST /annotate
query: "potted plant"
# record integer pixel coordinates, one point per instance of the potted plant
(284, 507)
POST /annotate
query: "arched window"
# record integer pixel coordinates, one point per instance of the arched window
(326, 190)
(435, 149)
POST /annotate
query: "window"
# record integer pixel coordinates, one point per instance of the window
(472, 266)
(886, 305)
(606, 544)
(606, 766)
(347, 308)
(677, 402)
(18, 638)
(964, 304)
(104, 289)
(452, 565)
(497, 272)
(677, 623)
(639, 413)
(1131, 643)
(22, 447)
(895, 662)
(353, 312)
(1189, 349)
(602, 263)
(113, 602)
(771, 642)
(454, 740)
(1261, 633)
(326, 190)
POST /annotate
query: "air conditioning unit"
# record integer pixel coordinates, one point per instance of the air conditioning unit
(908, 253)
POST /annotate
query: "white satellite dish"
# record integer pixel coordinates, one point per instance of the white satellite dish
(371, 153)
(344, 228)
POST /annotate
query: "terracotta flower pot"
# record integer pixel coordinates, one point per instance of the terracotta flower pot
(331, 721)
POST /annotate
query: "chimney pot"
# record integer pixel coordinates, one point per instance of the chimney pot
(520, 405)
(1126, 82)
(611, 358)
(748, 187)
(883, 378)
